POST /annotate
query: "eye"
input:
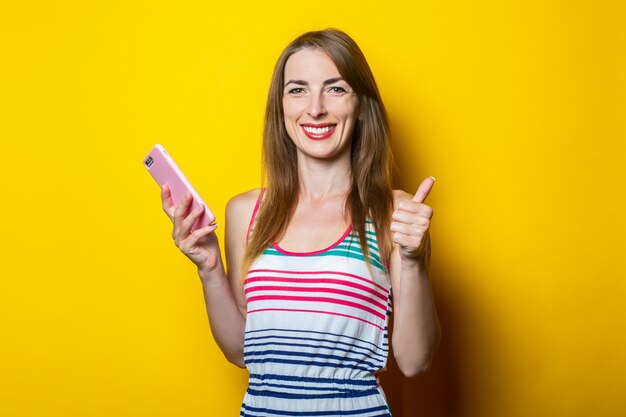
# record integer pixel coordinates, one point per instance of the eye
(296, 91)
(337, 90)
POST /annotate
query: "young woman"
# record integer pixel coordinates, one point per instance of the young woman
(314, 257)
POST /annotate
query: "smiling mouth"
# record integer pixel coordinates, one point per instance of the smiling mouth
(318, 132)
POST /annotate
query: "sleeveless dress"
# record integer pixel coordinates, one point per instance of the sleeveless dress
(316, 331)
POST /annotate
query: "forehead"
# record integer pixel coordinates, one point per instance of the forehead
(310, 65)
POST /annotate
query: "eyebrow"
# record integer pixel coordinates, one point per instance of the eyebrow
(302, 82)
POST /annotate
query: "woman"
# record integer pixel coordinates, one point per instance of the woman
(314, 257)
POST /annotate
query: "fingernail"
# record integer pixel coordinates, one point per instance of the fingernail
(432, 177)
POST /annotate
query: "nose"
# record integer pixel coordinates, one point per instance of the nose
(316, 106)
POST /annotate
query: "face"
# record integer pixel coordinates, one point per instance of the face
(320, 107)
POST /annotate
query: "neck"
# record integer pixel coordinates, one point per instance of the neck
(321, 179)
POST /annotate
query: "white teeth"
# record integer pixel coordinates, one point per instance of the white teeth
(318, 130)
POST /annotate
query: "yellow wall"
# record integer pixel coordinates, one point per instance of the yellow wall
(518, 108)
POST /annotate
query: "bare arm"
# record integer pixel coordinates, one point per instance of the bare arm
(224, 298)
(416, 329)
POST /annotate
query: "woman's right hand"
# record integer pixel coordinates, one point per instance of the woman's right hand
(200, 246)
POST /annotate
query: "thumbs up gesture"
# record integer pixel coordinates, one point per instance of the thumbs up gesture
(411, 221)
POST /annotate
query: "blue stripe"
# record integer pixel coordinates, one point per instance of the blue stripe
(298, 387)
(371, 242)
(353, 240)
(264, 411)
(315, 380)
(352, 347)
(333, 252)
(334, 348)
(308, 332)
(312, 355)
(355, 250)
(369, 237)
(289, 395)
(347, 254)
(309, 363)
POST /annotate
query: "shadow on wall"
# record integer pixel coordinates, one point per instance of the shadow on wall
(435, 393)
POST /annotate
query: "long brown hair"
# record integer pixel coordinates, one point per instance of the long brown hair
(371, 193)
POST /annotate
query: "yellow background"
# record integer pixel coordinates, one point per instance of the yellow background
(517, 108)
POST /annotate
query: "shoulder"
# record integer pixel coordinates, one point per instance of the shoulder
(399, 196)
(244, 199)
(239, 211)
(242, 205)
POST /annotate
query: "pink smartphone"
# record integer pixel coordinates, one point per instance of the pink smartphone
(165, 171)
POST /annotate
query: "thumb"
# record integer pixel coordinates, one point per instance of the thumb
(424, 189)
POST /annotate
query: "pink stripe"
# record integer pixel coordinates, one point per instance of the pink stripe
(317, 300)
(317, 290)
(256, 208)
(316, 311)
(317, 252)
(320, 272)
(318, 281)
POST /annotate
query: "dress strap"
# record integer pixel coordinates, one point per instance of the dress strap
(254, 213)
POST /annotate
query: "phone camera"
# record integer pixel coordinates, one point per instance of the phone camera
(149, 162)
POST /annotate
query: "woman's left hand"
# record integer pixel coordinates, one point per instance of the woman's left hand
(410, 224)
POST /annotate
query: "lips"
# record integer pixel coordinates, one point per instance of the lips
(318, 131)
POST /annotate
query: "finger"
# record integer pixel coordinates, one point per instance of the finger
(183, 208)
(166, 201)
(190, 220)
(412, 208)
(189, 246)
(408, 229)
(403, 216)
(406, 241)
(193, 238)
(410, 219)
(424, 189)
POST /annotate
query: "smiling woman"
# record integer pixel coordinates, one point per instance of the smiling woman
(319, 105)
(315, 255)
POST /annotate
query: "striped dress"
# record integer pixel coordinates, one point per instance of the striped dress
(316, 331)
